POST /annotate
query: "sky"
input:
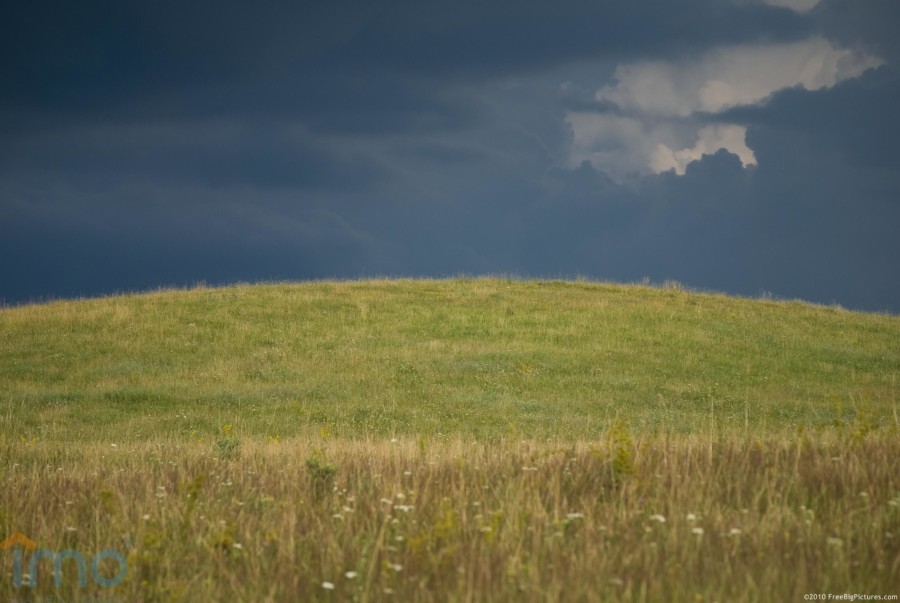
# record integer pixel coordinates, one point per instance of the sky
(744, 146)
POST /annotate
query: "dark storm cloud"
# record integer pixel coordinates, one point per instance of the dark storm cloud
(510, 36)
(169, 143)
(73, 58)
(218, 154)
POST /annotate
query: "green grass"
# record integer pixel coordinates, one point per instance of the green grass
(484, 357)
(240, 443)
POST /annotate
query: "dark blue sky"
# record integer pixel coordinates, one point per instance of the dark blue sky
(746, 146)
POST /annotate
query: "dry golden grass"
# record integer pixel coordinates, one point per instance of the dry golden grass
(678, 518)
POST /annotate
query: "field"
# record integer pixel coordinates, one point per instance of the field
(450, 440)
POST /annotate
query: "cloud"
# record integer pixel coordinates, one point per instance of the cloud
(732, 76)
(625, 146)
(710, 139)
(801, 6)
(664, 106)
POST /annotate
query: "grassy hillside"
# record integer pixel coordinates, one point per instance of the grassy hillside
(458, 440)
(482, 357)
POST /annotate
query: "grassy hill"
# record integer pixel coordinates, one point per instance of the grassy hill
(468, 439)
(483, 357)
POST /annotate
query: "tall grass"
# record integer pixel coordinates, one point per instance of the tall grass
(642, 518)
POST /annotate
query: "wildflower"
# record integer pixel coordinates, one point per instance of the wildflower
(328, 585)
(407, 473)
(238, 546)
(351, 575)
(831, 540)
(734, 532)
(71, 529)
(146, 517)
(404, 508)
(572, 516)
(389, 591)
(697, 531)
(658, 518)
(386, 501)
(691, 517)
(113, 446)
(394, 440)
(396, 567)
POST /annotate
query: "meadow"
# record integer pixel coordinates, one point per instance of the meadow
(451, 440)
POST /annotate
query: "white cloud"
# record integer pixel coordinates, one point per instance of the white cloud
(661, 100)
(618, 145)
(732, 76)
(709, 140)
(624, 146)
